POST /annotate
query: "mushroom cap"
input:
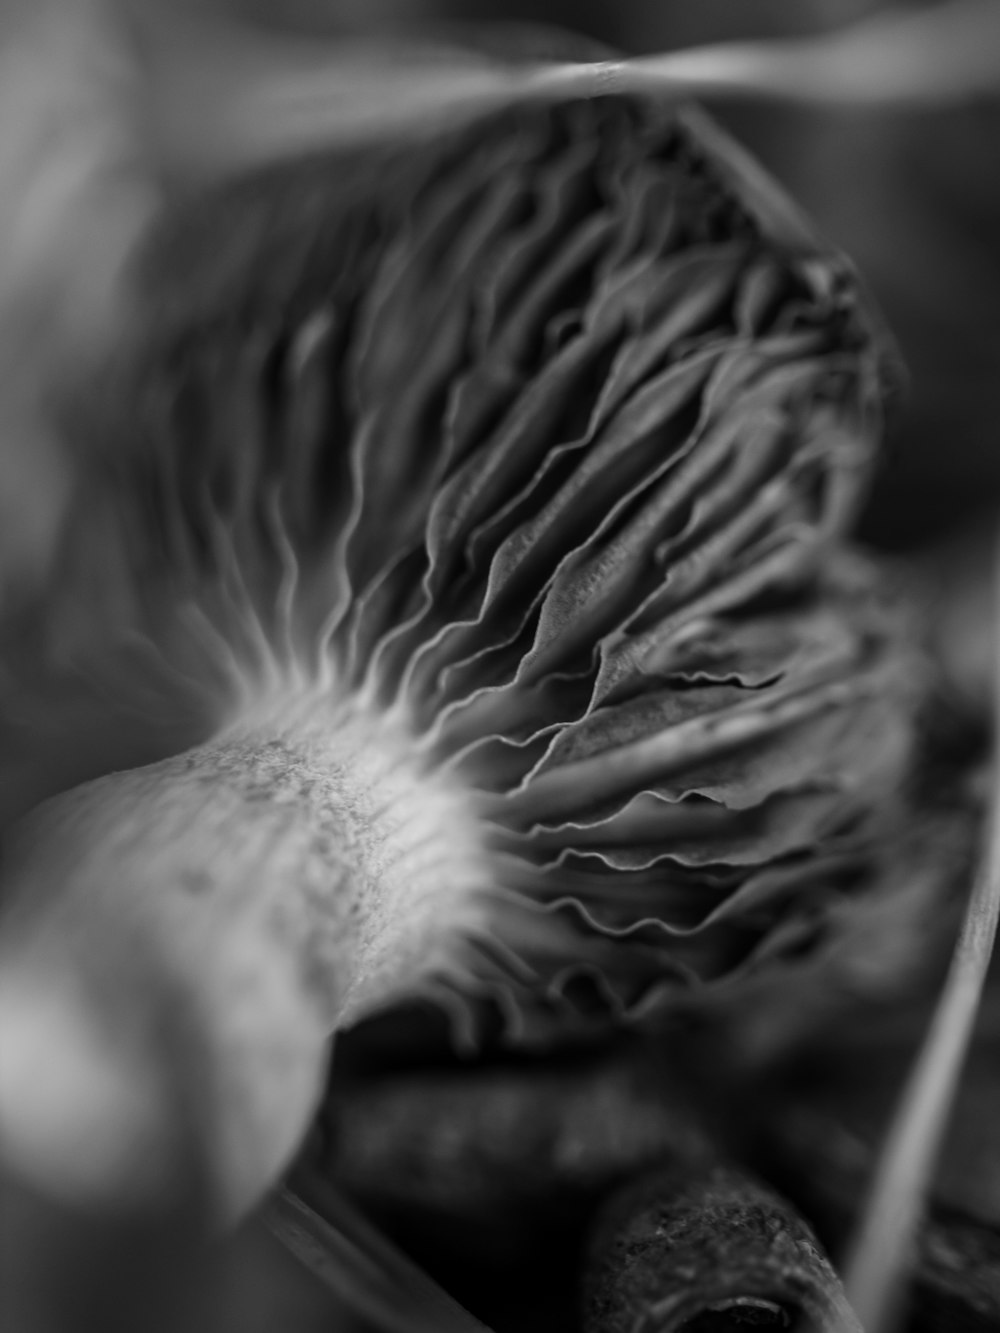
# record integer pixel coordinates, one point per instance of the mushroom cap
(546, 435)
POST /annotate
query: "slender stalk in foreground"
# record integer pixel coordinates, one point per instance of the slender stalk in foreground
(893, 59)
(349, 1255)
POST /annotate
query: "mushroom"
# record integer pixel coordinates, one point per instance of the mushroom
(479, 507)
(496, 492)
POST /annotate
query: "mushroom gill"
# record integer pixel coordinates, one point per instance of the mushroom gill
(484, 502)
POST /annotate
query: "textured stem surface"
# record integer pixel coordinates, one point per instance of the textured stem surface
(206, 923)
(708, 1253)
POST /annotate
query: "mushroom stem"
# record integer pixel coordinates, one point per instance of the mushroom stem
(207, 922)
(709, 1252)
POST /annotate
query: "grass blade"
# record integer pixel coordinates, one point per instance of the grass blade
(883, 1246)
(893, 59)
(364, 1269)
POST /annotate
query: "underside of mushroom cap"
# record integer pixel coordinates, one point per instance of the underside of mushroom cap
(543, 440)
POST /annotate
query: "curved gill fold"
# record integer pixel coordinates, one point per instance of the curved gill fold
(285, 597)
